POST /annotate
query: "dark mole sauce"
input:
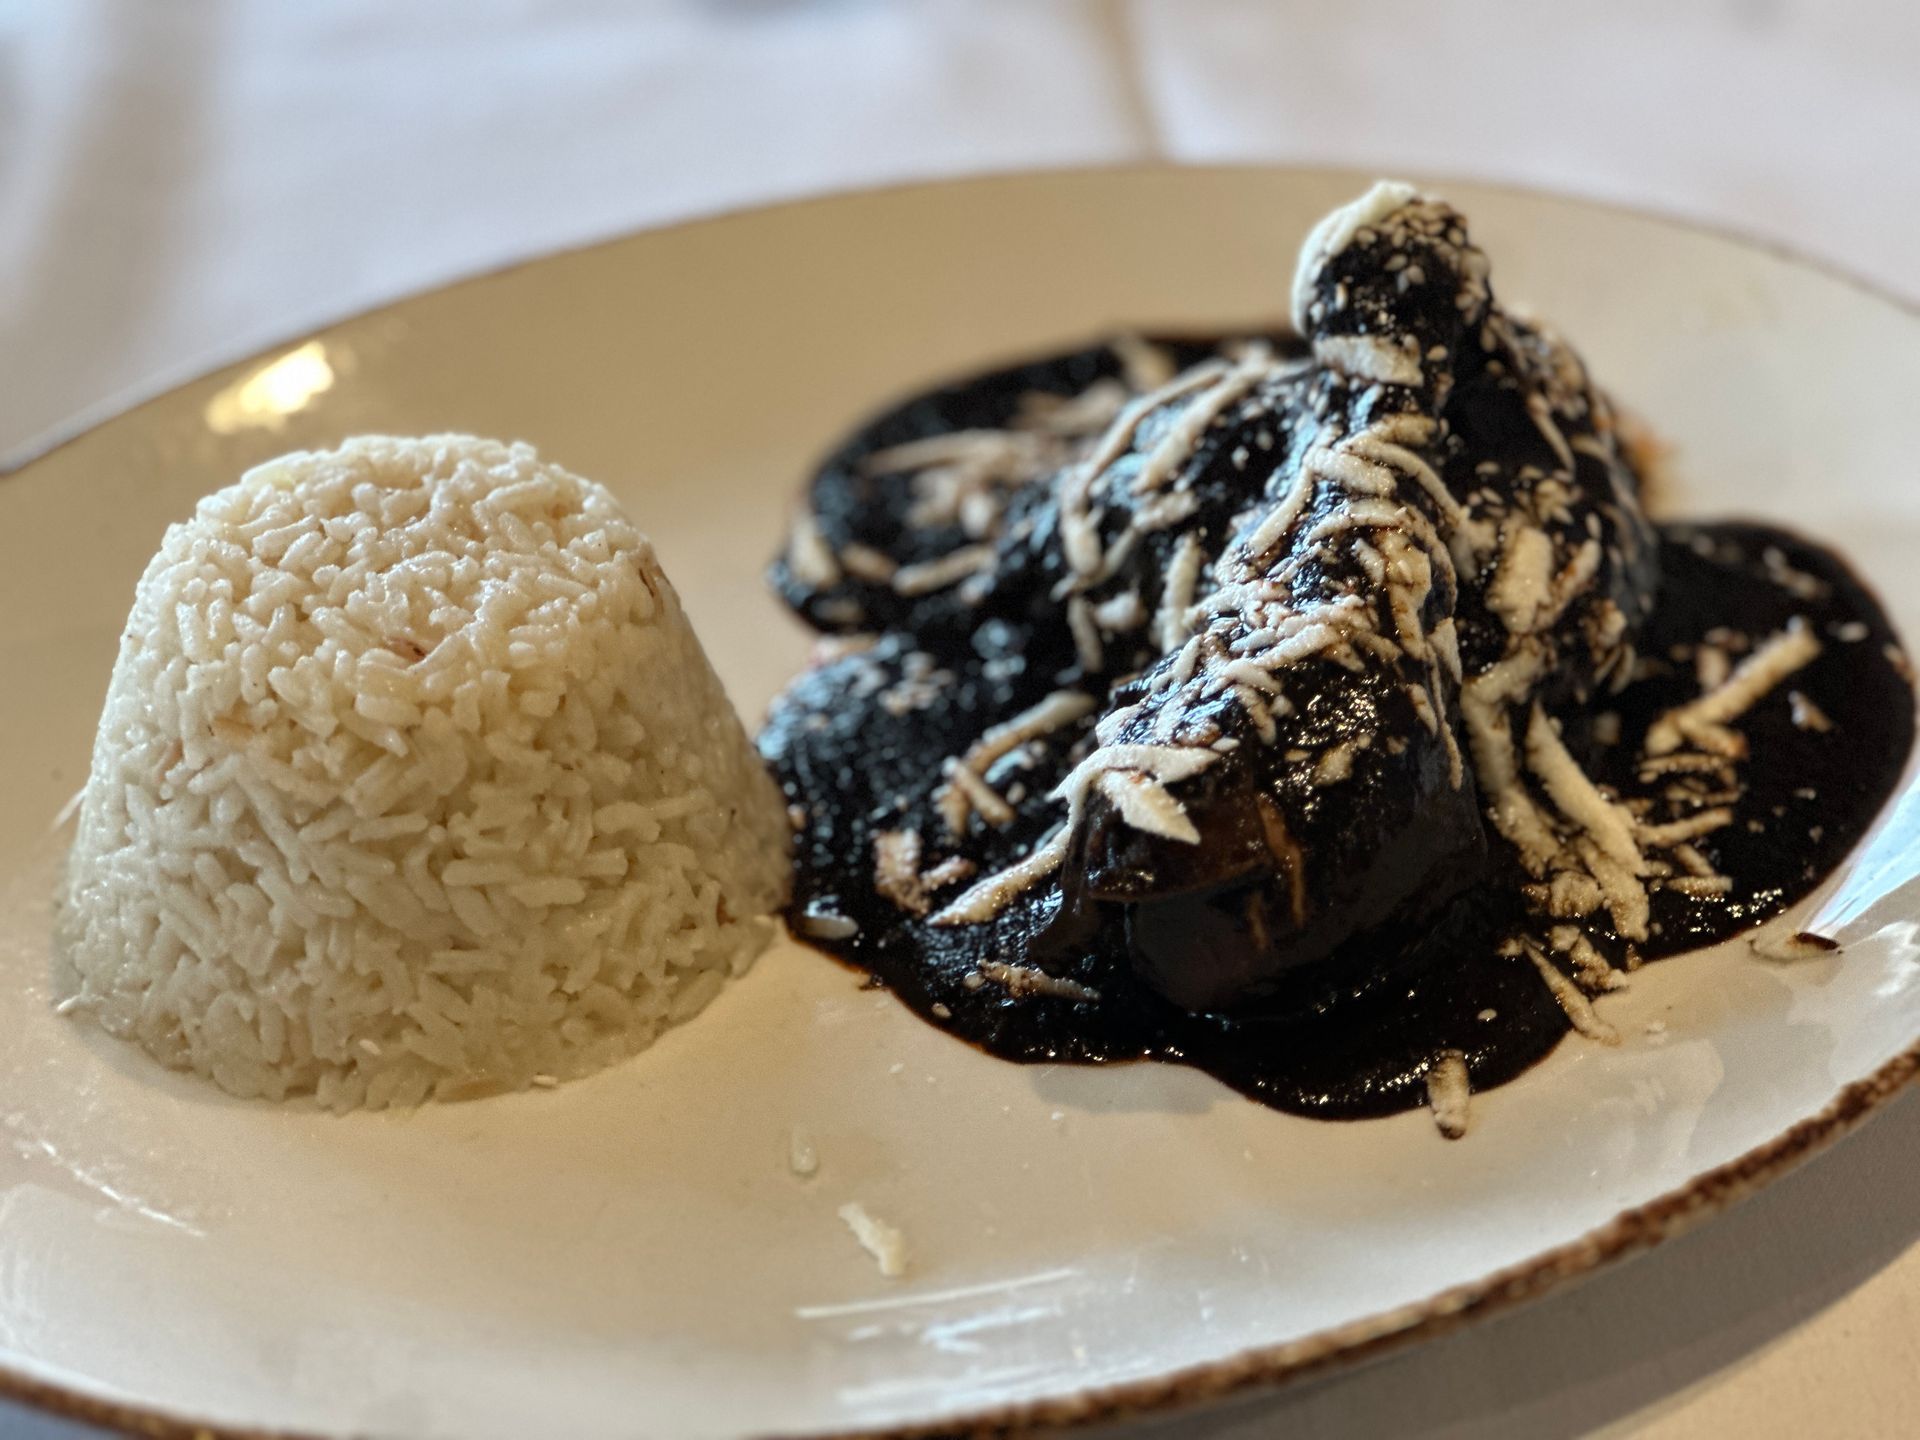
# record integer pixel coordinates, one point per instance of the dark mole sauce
(1357, 1036)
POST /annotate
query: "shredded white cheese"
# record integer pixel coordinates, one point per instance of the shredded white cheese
(1675, 832)
(863, 562)
(990, 896)
(896, 869)
(1449, 1092)
(1773, 661)
(947, 448)
(824, 925)
(1335, 233)
(1145, 365)
(1173, 448)
(950, 871)
(1145, 805)
(962, 793)
(1573, 1000)
(1568, 786)
(808, 555)
(1788, 948)
(1335, 763)
(1807, 715)
(883, 1242)
(1029, 980)
(1522, 583)
(1086, 635)
(1176, 595)
(1368, 357)
(950, 569)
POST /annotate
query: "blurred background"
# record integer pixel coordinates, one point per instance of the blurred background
(183, 181)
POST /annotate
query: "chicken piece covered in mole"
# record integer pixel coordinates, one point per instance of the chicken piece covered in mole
(1450, 498)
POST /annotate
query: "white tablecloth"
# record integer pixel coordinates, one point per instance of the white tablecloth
(182, 181)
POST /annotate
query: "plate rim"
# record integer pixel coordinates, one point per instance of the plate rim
(141, 394)
(1632, 1231)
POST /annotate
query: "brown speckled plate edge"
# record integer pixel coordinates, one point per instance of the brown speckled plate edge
(1629, 1233)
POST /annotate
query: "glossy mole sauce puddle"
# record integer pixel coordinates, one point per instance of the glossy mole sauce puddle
(1358, 1033)
(1364, 1040)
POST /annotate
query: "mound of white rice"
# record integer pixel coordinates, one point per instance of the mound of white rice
(412, 781)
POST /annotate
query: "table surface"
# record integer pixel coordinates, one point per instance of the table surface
(183, 183)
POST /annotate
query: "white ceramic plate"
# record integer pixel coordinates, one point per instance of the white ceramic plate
(631, 1255)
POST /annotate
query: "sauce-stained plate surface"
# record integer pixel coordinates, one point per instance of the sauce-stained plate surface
(632, 1255)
